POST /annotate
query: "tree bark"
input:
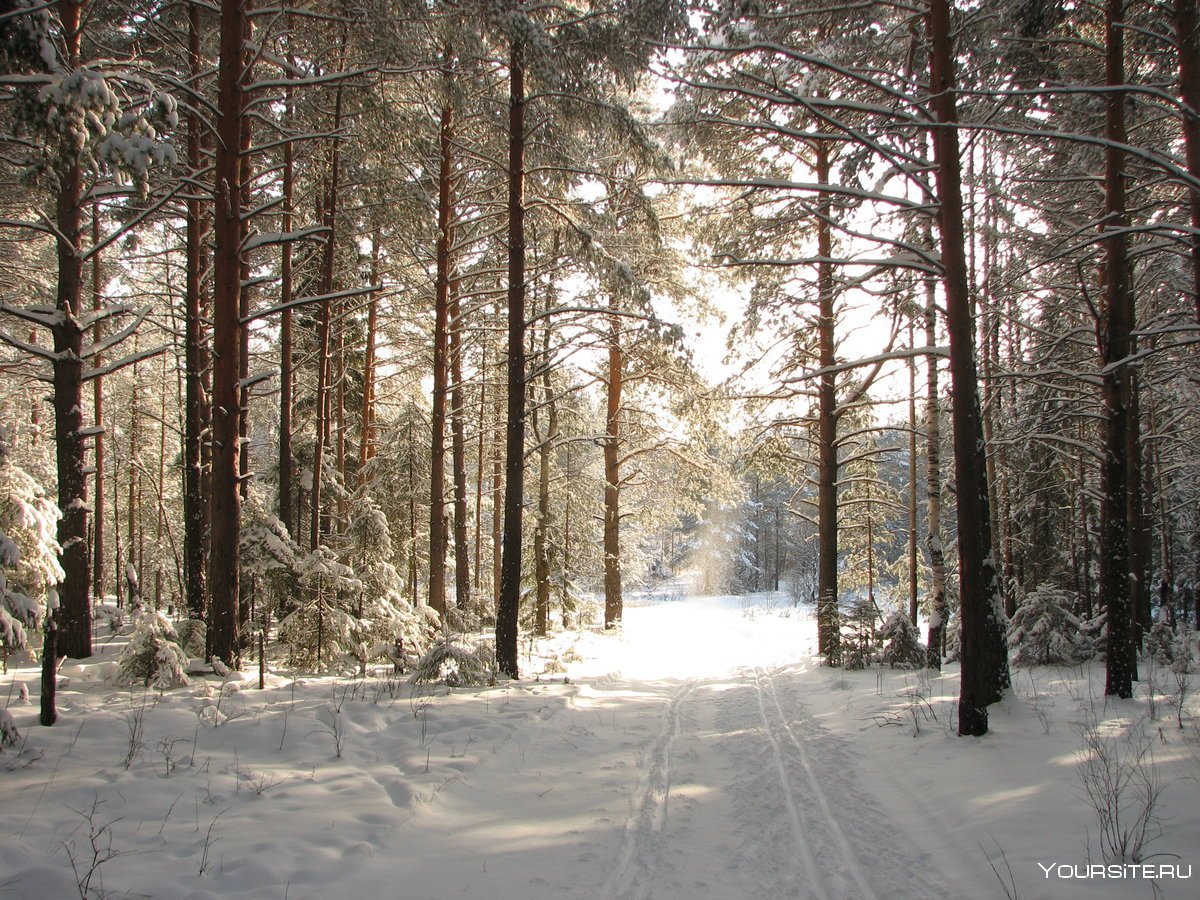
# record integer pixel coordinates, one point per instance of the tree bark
(458, 455)
(74, 616)
(286, 338)
(366, 443)
(100, 461)
(938, 610)
(441, 307)
(225, 509)
(829, 636)
(196, 363)
(514, 467)
(614, 604)
(984, 657)
(1187, 35)
(1116, 343)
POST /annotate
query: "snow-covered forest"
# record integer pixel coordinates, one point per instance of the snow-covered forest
(456, 379)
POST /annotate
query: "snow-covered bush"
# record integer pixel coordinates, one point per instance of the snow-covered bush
(1093, 633)
(902, 648)
(29, 551)
(382, 616)
(1161, 642)
(1044, 631)
(270, 559)
(456, 664)
(319, 630)
(859, 644)
(153, 656)
(192, 637)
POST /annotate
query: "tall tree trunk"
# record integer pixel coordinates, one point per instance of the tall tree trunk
(196, 362)
(497, 505)
(225, 525)
(939, 610)
(458, 452)
(614, 605)
(366, 443)
(1116, 343)
(984, 656)
(246, 163)
(514, 467)
(74, 616)
(329, 216)
(541, 537)
(912, 476)
(479, 461)
(829, 638)
(1187, 35)
(286, 295)
(441, 325)
(100, 461)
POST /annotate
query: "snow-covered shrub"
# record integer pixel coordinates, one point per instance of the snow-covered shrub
(192, 637)
(859, 644)
(382, 616)
(319, 630)
(902, 647)
(270, 559)
(1161, 642)
(1044, 631)
(456, 664)
(1093, 633)
(29, 551)
(153, 656)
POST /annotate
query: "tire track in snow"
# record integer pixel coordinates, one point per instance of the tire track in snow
(644, 827)
(828, 819)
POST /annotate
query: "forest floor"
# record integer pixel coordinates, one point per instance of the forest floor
(699, 752)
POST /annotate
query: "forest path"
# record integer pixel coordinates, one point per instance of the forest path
(687, 766)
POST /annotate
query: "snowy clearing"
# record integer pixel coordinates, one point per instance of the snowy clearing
(700, 752)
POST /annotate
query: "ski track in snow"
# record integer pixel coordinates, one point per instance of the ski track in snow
(645, 826)
(785, 821)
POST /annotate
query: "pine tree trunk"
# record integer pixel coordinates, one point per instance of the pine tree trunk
(829, 636)
(196, 362)
(541, 537)
(441, 307)
(74, 619)
(1116, 343)
(458, 453)
(514, 468)
(225, 514)
(912, 477)
(366, 443)
(614, 605)
(286, 338)
(323, 401)
(1187, 35)
(984, 657)
(100, 461)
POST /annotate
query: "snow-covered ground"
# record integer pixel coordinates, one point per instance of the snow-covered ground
(699, 753)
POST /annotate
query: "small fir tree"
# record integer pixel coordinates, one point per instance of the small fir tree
(153, 657)
(1044, 631)
(902, 647)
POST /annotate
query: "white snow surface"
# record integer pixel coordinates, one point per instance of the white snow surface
(700, 751)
